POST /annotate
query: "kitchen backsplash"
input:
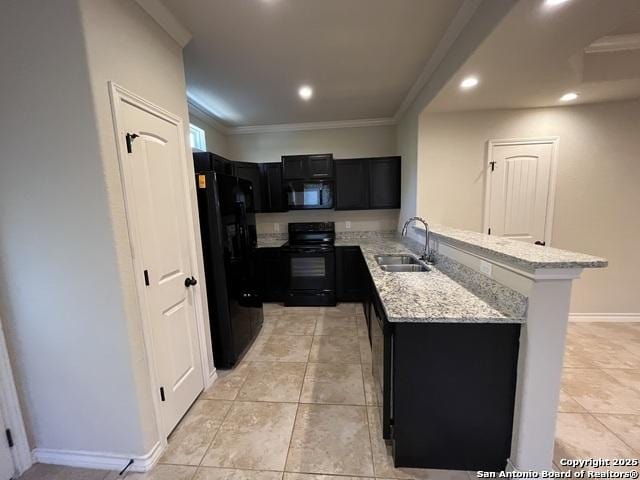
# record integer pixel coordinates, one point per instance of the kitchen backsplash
(360, 220)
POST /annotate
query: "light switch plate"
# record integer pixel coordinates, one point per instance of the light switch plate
(276, 227)
(485, 267)
(347, 225)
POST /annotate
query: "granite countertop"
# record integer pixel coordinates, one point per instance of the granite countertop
(432, 297)
(524, 255)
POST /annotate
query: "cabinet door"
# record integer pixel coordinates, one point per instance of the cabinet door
(384, 182)
(251, 172)
(320, 166)
(272, 190)
(350, 274)
(352, 184)
(294, 167)
(273, 274)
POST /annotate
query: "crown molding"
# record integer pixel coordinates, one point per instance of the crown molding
(200, 112)
(460, 20)
(293, 127)
(166, 20)
(615, 43)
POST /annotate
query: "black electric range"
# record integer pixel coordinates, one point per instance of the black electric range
(311, 264)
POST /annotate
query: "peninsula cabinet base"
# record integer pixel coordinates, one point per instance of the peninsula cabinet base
(453, 394)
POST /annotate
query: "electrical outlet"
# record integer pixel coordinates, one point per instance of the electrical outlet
(485, 267)
(276, 227)
(347, 225)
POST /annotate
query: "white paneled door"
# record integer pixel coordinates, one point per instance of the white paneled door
(7, 468)
(157, 194)
(519, 190)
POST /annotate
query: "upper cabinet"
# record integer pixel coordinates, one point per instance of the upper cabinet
(272, 191)
(384, 182)
(307, 167)
(352, 185)
(367, 183)
(210, 162)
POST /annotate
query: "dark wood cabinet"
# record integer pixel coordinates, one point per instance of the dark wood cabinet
(272, 189)
(251, 172)
(447, 390)
(351, 275)
(210, 162)
(352, 184)
(367, 183)
(273, 274)
(384, 182)
(306, 167)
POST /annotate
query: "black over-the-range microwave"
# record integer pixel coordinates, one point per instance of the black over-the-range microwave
(308, 181)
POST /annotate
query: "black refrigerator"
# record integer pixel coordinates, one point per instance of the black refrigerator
(228, 233)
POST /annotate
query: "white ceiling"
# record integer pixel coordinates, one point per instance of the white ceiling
(537, 53)
(247, 58)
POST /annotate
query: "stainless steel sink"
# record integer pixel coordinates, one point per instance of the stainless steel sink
(419, 267)
(396, 259)
(401, 263)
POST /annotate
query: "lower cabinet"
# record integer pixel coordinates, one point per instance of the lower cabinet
(446, 390)
(272, 273)
(352, 283)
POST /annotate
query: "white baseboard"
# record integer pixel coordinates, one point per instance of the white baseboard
(99, 460)
(213, 376)
(604, 317)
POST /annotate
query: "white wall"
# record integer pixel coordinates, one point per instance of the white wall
(152, 68)
(597, 194)
(61, 297)
(66, 276)
(351, 142)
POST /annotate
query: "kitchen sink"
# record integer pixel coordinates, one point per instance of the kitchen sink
(418, 267)
(401, 263)
(396, 259)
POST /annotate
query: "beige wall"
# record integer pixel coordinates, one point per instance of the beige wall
(361, 220)
(343, 143)
(597, 195)
(217, 142)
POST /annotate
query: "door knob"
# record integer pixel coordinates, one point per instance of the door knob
(189, 282)
(540, 243)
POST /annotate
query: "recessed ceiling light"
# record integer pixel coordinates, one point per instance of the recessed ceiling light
(469, 82)
(567, 97)
(305, 92)
(553, 3)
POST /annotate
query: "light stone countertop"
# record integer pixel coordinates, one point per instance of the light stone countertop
(430, 297)
(523, 255)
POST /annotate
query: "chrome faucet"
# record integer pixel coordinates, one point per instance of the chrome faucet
(427, 255)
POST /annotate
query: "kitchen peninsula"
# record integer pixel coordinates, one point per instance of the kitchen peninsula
(469, 354)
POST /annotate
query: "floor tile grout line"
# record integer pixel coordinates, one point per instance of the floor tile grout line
(217, 430)
(593, 415)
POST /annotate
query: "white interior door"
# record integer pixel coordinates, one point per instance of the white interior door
(519, 191)
(7, 468)
(161, 210)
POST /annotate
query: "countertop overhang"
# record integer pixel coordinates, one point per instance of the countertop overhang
(522, 255)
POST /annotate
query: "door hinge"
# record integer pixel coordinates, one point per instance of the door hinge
(9, 437)
(129, 139)
(146, 277)
(162, 394)
(489, 231)
(493, 166)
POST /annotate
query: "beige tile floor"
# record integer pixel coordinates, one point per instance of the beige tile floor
(599, 413)
(302, 406)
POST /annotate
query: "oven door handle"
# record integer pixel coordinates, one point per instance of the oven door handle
(308, 250)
